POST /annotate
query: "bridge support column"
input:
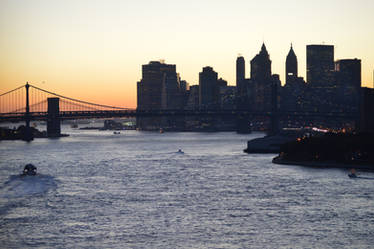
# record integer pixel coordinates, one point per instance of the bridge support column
(53, 122)
(28, 135)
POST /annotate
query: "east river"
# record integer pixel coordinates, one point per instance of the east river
(96, 189)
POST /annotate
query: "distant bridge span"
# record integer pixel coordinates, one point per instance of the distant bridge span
(29, 102)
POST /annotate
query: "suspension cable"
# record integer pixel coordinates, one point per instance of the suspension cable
(80, 101)
(12, 90)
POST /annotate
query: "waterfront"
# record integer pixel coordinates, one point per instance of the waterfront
(134, 190)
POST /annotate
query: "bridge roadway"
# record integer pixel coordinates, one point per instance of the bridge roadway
(14, 117)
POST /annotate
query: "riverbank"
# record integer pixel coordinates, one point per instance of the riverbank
(321, 165)
(331, 150)
(273, 143)
(20, 133)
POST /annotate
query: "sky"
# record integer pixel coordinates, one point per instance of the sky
(93, 49)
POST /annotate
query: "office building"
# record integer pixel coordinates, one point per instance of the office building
(320, 65)
(260, 87)
(240, 75)
(208, 89)
(348, 73)
(158, 89)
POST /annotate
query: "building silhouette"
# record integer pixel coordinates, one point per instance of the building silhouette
(261, 65)
(193, 98)
(366, 109)
(159, 89)
(320, 65)
(156, 77)
(208, 89)
(294, 92)
(240, 76)
(331, 87)
(261, 81)
(348, 73)
(291, 66)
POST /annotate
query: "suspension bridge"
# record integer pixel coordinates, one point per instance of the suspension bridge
(30, 103)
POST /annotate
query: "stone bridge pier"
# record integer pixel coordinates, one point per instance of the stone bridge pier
(53, 120)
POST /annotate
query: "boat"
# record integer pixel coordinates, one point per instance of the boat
(352, 174)
(180, 151)
(29, 170)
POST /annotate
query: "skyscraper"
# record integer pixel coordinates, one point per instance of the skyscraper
(240, 75)
(261, 65)
(320, 65)
(155, 76)
(348, 84)
(208, 89)
(294, 90)
(291, 66)
(261, 81)
(158, 89)
(348, 73)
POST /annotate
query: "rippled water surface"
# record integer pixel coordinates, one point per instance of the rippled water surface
(134, 190)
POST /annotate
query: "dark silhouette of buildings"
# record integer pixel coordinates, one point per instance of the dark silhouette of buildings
(261, 82)
(293, 93)
(348, 73)
(319, 65)
(291, 66)
(331, 87)
(261, 65)
(221, 83)
(193, 98)
(208, 89)
(156, 78)
(159, 89)
(367, 109)
(240, 75)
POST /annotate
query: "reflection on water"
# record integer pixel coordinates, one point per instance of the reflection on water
(135, 190)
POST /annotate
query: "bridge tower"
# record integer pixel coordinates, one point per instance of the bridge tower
(28, 136)
(53, 120)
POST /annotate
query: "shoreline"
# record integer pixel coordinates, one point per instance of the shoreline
(321, 165)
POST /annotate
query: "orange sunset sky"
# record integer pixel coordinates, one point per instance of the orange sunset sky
(93, 49)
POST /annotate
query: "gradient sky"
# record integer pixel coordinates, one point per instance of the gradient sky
(93, 50)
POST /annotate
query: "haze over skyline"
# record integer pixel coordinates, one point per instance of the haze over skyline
(93, 50)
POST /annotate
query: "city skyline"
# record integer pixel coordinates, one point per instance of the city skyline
(76, 47)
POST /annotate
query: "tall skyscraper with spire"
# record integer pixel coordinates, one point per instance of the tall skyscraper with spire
(261, 65)
(261, 81)
(291, 66)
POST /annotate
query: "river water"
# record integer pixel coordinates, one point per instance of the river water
(96, 189)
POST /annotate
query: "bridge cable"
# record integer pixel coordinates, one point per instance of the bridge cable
(12, 90)
(80, 101)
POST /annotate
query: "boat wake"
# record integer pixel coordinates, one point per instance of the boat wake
(21, 186)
